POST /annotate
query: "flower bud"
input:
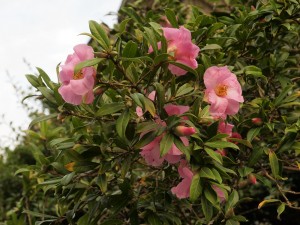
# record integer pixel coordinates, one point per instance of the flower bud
(222, 152)
(184, 131)
(252, 178)
(257, 121)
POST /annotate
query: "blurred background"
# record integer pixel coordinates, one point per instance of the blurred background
(37, 33)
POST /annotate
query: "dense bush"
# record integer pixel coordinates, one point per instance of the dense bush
(146, 129)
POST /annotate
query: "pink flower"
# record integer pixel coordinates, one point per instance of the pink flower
(151, 152)
(223, 91)
(78, 88)
(182, 190)
(181, 47)
(225, 128)
(220, 193)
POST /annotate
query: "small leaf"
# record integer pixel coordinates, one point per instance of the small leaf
(102, 182)
(99, 33)
(211, 47)
(280, 210)
(207, 208)
(33, 80)
(264, 202)
(42, 118)
(171, 17)
(166, 143)
(87, 63)
(252, 133)
(110, 108)
(274, 164)
(221, 145)
(214, 155)
(195, 188)
(207, 173)
(121, 125)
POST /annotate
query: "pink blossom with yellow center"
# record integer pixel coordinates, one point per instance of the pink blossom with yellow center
(180, 48)
(223, 91)
(78, 88)
(182, 190)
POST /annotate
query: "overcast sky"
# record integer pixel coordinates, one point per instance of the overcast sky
(43, 32)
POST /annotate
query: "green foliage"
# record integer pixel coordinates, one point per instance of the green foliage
(85, 165)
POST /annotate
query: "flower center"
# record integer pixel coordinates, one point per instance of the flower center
(172, 51)
(79, 75)
(221, 90)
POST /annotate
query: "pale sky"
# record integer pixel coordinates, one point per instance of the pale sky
(43, 32)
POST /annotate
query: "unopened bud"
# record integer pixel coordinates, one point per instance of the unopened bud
(257, 121)
(184, 131)
(252, 178)
(222, 152)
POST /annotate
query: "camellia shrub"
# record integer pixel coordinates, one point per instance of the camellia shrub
(173, 117)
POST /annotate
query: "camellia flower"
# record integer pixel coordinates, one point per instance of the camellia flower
(223, 91)
(151, 151)
(225, 128)
(181, 47)
(182, 190)
(78, 88)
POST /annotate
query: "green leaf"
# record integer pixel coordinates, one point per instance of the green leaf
(121, 125)
(184, 149)
(151, 38)
(214, 155)
(252, 133)
(232, 200)
(274, 164)
(42, 118)
(184, 67)
(171, 17)
(33, 80)
(87, 63)
(130, 49)
(232, 222)
(112, 222)
(282, 95)
(184, 89)
(211, 47)
(166, 143)
(195, 188)
(161, 58)
(126, 166)
(255, 72)
(99, 33)
(145, 139)
(207, 173)
(280, 210)
(221, 145)
(48, 94)
(110, 108)
(36, 214)
(46, 78)
(160, 97)
(67, 178)
(255, 156)
(122, 25)
(102, 182)
(207, 208)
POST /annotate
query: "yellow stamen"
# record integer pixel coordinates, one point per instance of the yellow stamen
(221, 90)
(78, 75)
